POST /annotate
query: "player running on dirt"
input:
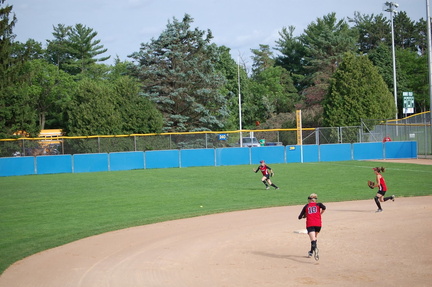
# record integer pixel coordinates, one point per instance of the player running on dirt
(312, 212)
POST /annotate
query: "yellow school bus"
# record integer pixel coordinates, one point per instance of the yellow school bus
(50, 137)
(48, 143)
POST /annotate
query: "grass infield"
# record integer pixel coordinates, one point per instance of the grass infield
(39, 212)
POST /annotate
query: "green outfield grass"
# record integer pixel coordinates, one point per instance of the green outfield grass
(39, 212)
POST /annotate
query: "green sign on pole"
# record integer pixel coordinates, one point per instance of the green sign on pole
(408, 102)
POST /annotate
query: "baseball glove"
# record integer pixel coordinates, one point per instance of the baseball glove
(272, 173)
(371, 184)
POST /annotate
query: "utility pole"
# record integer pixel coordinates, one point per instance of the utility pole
(429, 45)
(391, 8)
(429, 54)
(239, 102)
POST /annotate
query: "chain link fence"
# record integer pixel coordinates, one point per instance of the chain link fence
(416, 128)
(333, 135)
(148, 142)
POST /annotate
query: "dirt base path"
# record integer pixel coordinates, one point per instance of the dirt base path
(426, 161)
(358, 247)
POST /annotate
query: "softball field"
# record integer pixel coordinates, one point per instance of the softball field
(249, 248)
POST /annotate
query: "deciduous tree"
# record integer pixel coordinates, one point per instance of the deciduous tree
(272, 89)
(46, 90)
(112, 106)
(234, 75)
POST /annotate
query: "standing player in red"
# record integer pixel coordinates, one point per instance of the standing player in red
(266, 172)
(312, 212)
(382, 188)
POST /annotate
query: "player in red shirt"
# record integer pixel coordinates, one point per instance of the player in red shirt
(312, 212)
(382, 188)
(267, 172)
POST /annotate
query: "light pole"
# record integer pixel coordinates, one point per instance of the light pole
(391, 8)
(239, 103)
(429, 45)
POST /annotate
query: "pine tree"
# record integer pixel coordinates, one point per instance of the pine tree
(7, 22)
(75, 49)
(373, 30)
(292, 57)
(177, 71)
(58, 50)
(325, 43)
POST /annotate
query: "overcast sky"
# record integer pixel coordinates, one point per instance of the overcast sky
(241, 25)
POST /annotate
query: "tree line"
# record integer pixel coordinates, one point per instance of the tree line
(338, 71)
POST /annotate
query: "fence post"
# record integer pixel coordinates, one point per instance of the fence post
(427, 135)
(135, 144)
(430, 132)
(23, 147)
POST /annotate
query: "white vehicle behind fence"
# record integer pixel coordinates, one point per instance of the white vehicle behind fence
(250, 142)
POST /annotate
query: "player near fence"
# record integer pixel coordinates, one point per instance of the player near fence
(312, 211)
(267, 172)
(382, 187)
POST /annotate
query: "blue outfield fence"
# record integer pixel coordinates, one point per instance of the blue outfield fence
(54, 164)
(14, 166)
(126, 160)
(367, 151)
(335, 152)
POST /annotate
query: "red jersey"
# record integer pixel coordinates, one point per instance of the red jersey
(382, 184)
(312, 212)
(264, 169)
